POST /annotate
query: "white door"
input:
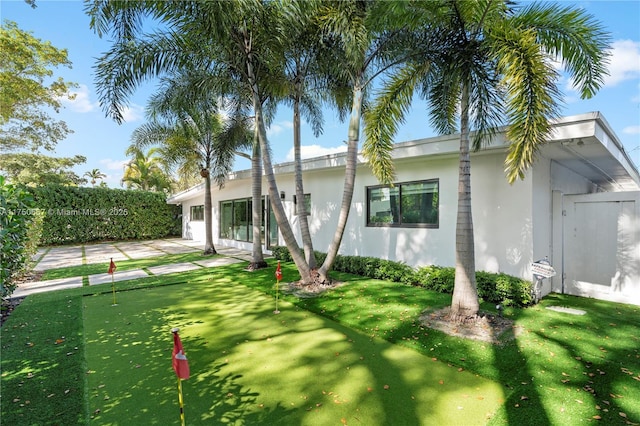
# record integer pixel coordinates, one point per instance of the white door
(602, 246)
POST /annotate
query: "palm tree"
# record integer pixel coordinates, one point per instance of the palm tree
(309, 81)
(369, 41)
(246, 42)
(190, 126)
(145, 171)
(484, 62)
(94, 175)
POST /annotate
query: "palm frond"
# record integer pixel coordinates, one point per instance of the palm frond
(532, 95)
(573, 37)
(382, 120)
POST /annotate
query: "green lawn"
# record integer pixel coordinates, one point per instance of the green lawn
(325, 360)
(123, 265)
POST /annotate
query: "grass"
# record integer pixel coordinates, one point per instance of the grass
(561, 369)
(123, 265)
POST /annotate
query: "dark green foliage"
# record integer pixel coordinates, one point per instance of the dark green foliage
(281, 253)
(16, 209)
(437, 278)
(493, 288)
(79, 215)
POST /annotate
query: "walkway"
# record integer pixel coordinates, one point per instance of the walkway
(67, 256)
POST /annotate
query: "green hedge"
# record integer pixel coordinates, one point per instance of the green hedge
(494, 288)
(80, 215)
(16, 208)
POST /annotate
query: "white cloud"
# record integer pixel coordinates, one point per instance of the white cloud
(311, 151)
(631, 130)
(114, 169)
(277, 128)
(132, 113)
(110, 164)
(81, 101)
(624, 62)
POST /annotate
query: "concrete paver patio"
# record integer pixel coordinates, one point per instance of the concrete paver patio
(60, 257)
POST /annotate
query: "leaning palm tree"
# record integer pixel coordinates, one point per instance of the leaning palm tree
(190, 126)
(204, 36)
(94, 176)
(484, 63)
(309, 82)
(368, 40)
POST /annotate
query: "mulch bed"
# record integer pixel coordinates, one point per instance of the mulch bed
(485, 326)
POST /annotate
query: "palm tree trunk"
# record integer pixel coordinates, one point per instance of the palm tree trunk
(276, 203)
(349, 181)
(208, 217)
(303, 221)
(464, 303)
(257, 258)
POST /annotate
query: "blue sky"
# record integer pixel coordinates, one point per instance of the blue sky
(103, 142)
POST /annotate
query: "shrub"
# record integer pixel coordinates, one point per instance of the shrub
(79, 215)
(494, 288)
(436, 278)
(16, 208)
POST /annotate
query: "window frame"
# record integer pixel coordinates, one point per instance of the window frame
(196, 213)
(402, 224)
(248, 233)
(307, 200)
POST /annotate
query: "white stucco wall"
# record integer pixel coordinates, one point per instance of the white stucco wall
(502, 214)
(514, 224)
(503, 219)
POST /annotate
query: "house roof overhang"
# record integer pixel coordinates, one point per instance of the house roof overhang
(587, 145)
(583, 143)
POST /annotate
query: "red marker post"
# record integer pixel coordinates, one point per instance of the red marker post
(181, 367)
(112, 271)
(278, 278)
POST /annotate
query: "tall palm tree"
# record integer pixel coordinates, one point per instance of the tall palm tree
(485, 63)
(190, 126)
(309, 81)
(369, 43)
(145, 171)
(94, 176)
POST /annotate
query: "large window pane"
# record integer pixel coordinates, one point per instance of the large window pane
(383, 205)
(226, 219)
(419, 203)
(411, 204)
(240, 220)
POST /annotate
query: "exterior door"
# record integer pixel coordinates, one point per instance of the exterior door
(602, 246)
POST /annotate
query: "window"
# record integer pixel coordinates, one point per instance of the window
(409, 204)
(197, 213)
(236, 222)
(307, 203)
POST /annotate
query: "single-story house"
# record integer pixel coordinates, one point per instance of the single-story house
(579, 206)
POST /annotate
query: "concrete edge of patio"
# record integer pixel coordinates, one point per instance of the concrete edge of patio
(228, 256)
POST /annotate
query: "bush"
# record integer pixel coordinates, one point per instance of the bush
(365, 266)
(494, 288)
(80, 215)
(16, 209)
(437, 278)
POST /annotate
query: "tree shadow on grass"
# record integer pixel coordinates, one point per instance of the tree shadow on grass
(573, 368)
(46, 366)
(131, 380)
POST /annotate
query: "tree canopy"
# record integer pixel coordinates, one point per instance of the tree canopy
(29, 90)
(34, 169)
